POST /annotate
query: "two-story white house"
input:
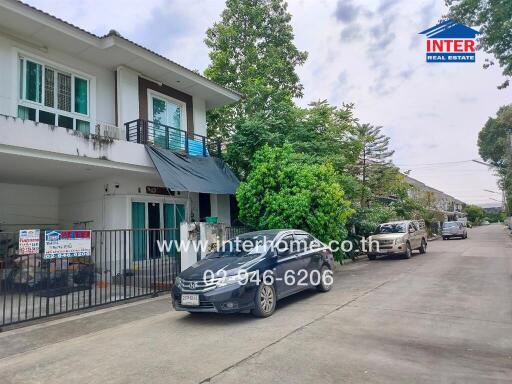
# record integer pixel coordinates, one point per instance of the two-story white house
(76, 113)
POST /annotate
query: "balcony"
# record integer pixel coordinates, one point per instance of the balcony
(153, 133)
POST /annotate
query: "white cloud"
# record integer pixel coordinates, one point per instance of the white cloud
(366, 52)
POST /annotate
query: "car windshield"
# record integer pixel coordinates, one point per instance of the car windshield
(450, 224)
(241, 246)
(391, 228)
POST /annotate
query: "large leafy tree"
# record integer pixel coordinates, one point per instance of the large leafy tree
(495, 146)
(326, 133)
(378, 176)
(475, 213)
(252, 51)
(494, 17)
(284, 190)
(494, 138)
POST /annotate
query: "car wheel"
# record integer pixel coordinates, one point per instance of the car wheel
(324, 286)
(408, 251)
(372, 257)
(423, 247)
(265, 301)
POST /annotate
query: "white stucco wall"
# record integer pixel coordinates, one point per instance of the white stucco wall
(220, 208)
(28, 206)
(107, 202)
(199, 116)
(27, 136)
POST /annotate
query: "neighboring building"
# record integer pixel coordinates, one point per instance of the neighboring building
(436, 199)
(77, 110)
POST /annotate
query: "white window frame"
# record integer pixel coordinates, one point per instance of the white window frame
(39, 106)
(172, 100)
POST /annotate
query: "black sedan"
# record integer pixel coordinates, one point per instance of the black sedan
(253, 271)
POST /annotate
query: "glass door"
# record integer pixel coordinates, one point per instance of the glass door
(138, 234)
(167, 119)
(174, 215)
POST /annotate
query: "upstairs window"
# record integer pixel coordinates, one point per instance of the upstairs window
(53, 96)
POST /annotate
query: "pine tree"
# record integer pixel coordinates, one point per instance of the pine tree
(376, 172)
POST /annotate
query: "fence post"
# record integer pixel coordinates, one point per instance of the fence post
(204, 146)
(153, 258)
(124, 264)
(186, 143)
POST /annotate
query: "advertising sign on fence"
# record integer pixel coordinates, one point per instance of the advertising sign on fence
(60, 244)
(29, 241)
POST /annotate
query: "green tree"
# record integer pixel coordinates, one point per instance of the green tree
(495, 146)
(252, 51)
(494, 17)
(283, 190)
(366, 220)
(475, 213)
(327, 134)
(494, 138)
(374, 168)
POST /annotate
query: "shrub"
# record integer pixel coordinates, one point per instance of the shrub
(284, 190)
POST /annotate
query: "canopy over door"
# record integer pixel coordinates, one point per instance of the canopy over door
(193, 173)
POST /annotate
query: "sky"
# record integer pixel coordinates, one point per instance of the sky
(366, 52)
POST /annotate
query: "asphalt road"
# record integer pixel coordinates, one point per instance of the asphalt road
(442, 317)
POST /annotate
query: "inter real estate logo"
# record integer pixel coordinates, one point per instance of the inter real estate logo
(450, 42)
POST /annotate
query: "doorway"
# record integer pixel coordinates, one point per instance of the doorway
(205, 206)
(154, 226)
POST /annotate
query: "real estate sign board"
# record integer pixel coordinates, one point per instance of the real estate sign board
(63, 244)
(28, 241)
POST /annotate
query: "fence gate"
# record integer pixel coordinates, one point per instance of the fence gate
(124, 264)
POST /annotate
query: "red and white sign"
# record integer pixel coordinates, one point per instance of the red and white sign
(28, 241)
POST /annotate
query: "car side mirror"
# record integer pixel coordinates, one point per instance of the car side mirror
(411, 230)
(283, 250)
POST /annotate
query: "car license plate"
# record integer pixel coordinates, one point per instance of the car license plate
(190, 300)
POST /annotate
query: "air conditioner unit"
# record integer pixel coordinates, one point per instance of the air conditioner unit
(111, 131)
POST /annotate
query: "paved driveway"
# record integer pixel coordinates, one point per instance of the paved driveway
(443, 317)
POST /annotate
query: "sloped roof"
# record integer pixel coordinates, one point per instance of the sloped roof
(418, 184)
(116, 35)
(450, 29)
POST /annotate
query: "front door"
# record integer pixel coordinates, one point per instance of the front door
(287, 267)
(138, 233)
(174, 215)
(154, 226)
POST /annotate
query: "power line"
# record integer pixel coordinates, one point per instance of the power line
(439, 163)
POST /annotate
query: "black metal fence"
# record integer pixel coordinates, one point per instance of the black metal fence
(168, 137)
(232, 232)
(124, 264)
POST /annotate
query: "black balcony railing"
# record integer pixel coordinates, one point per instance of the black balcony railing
(164, 136)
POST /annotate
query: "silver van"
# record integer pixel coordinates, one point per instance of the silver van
(454, 229)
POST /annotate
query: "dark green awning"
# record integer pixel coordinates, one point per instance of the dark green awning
(203, 174)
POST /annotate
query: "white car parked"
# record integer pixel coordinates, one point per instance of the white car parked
(454, 229)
